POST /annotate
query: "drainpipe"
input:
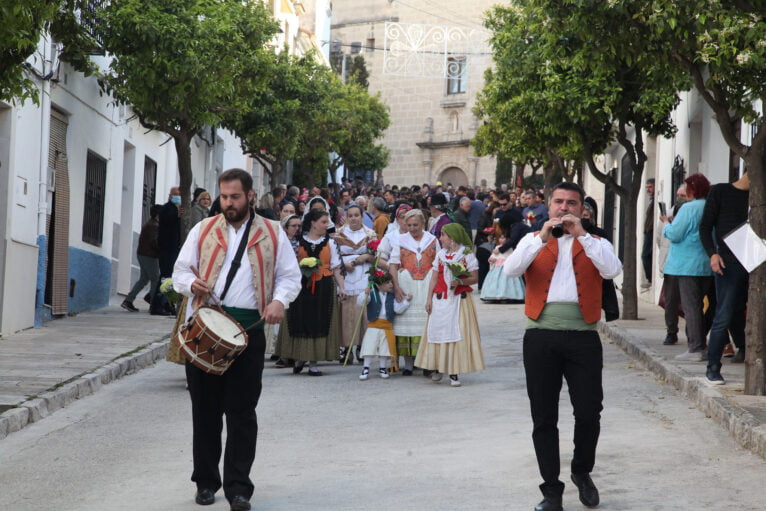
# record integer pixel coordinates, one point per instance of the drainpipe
(49, 53)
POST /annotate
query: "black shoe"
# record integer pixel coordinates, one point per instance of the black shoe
(239, 503)
(274, 358)
(738, 357)
(407, 372)
(204, 497)
(343, 353)
(550, 504)
(427, 372)
(713, 377)
(670, 339)
(280, 363)
(161, 313)
(148, 298)
(298, 367)
(588, 491)
(314, 373)
(128, 306)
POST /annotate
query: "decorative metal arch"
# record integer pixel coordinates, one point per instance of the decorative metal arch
(435, 51)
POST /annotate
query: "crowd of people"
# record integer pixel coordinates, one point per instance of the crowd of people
(388, 273)
(703, 279)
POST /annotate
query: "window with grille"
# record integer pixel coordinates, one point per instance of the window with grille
(95, 189)
(456, 75)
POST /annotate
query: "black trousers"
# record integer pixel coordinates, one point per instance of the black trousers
(234, 394)
(577, 356)
(482, 256)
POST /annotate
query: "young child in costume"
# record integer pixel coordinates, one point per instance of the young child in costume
(379, 339)
(451, 343)
(497, 285)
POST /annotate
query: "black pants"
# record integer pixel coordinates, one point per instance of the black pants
(234, 393)
(646, 255)
(577, 356)
(482, 256)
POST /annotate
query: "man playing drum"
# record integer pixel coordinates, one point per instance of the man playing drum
(259, 290)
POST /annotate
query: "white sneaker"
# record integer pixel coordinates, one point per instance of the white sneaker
(453, 380)
(437, 376)
(365, 374)
(383, 373)
(697, 356)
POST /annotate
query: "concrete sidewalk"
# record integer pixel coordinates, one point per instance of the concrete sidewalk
(744, 417)
(44, 369)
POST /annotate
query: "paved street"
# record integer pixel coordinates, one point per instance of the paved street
(335, 443)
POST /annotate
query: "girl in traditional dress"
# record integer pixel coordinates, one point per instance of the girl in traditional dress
(452, 343)
(412, 258)
(352, 239)
(497, 285)
(386, 244)
(312, 328)
(379, 340)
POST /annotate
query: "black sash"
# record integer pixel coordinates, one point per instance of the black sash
(236, 263)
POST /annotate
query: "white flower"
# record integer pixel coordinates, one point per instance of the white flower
(166, 285)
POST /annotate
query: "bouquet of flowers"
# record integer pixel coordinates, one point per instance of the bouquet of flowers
(530, 218)
(166, 288)
(372, 247)
(458, 271)
(378, 276)
(309, 266)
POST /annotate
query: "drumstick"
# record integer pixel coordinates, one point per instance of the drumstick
(250, 326)
(211, 293)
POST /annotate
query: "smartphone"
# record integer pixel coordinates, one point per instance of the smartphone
(663, 211)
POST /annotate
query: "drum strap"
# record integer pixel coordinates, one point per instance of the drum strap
(236, 263)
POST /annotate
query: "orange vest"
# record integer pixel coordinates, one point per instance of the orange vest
(263, 240)
(540, 273)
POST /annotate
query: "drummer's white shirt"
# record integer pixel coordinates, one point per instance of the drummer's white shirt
(287, 275)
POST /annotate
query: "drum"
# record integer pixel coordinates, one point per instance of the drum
(211, 340)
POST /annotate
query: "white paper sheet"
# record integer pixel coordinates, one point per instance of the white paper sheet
(747, 246)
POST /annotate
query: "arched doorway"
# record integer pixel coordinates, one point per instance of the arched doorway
(454, 175)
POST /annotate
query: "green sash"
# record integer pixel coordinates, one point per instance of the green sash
(561, 316)
(245, 317)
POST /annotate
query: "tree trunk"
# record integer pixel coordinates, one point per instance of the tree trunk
(630, 264)
(183, 153)
(755, 331)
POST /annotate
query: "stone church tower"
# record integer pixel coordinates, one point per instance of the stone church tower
(426, 58)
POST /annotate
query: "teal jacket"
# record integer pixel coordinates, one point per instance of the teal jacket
(687, 257)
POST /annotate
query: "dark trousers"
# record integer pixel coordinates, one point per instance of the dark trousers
(482, 256)
(731, 295)
(577, 356)
(693, 290)
(672, 302)
(235, 394)
(646, 255)
(150, 274)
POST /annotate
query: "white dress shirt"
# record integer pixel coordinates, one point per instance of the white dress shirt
(563, 287)
(241, 293)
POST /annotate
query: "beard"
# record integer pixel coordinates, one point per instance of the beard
(235, 215)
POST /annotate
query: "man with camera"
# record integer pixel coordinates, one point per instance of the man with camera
(564, 267)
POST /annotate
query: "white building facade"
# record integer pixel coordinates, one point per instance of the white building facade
(698, 146)
(80, 174)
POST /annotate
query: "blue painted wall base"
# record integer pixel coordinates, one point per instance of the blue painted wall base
(91, 274)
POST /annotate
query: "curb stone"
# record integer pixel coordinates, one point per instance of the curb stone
(746, 429)
(81, 386)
